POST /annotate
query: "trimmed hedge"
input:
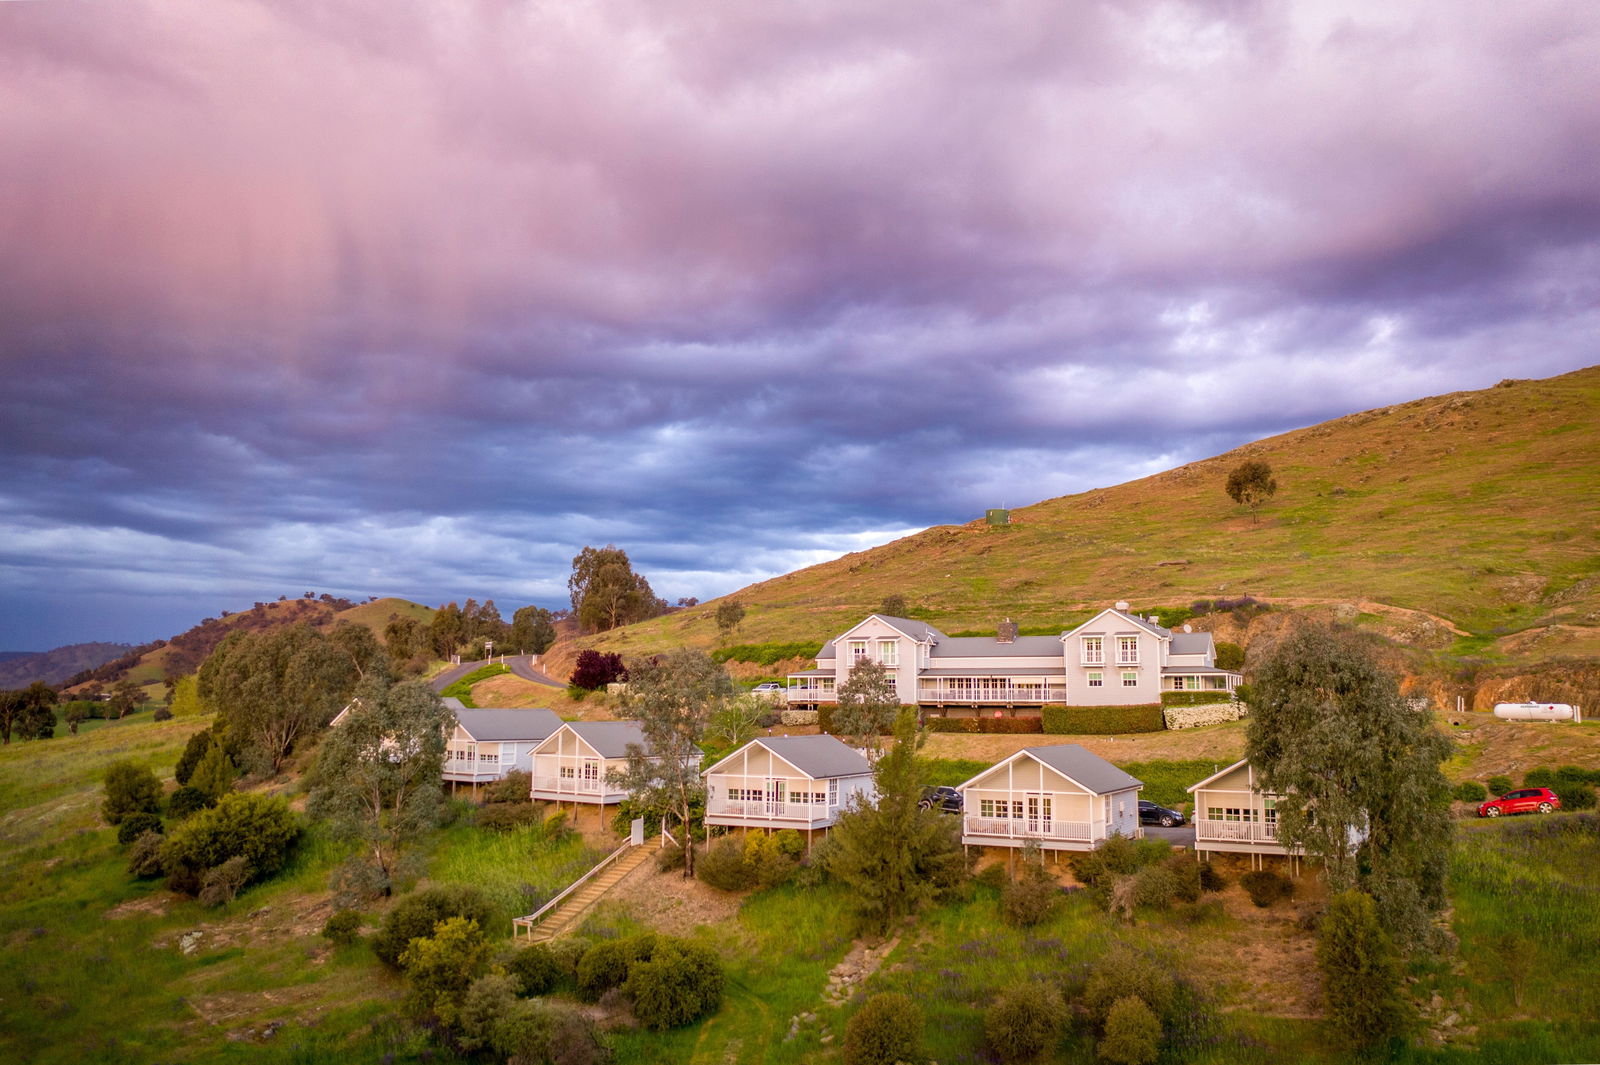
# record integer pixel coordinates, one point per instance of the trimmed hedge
(1001, 725)
(1194, 698)
(1103, 720)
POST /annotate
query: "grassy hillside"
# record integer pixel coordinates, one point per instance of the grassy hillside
(1475, 512)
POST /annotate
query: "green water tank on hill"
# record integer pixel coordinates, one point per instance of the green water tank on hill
(997, 517)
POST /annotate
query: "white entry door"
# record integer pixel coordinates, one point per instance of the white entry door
(777, 794)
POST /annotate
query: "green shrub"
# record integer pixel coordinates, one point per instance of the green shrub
(1121, 973)
(415, 915)
(193, 751)
(187, 801)
(1469, 791)
(1499, 785)
(537, 969)
(1576, 796)
(1578, 775)
(261, 829)
(724, 868)
(670, 857)
(1194, 698)
(994, 876)
(342, 927)
(488, 1000)
(1266, 887)
(677, 985)
(441, 967)
(1102, 720)
(1210, 878)
(137, 824)
(1542, 777)
(221, 883)
(506, 816)
(130, 789)
(886, 1030)
(766, 654)
(542, 1031)
(606, 963)
(766, 860)
(1031, 899)
(790, 842)
(1229, 656)
(1362, 978)
(515, 787)
(1132, 1033)
(1025, 1021)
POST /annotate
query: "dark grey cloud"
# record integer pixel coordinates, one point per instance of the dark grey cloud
(381, 298)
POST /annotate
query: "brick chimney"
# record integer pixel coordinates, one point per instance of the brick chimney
(1006, 632)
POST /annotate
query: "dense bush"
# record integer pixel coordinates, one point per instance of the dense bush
(1117, 858)
(440, 967)
(886, 1030)
(1132, 1033)
(670, 857)
(1577, 774)
(193, 751)
(678, 984)
(135, 825)
(515, 787)
(1469, 791)
(260, 829)
(1025, 1021)
(1121, 973)
(161, 714)
(187, 801)
(505, 816)
(606, 963)
(1031, 899)
(1187, 698)
(488, 1000)
(724, 868)
(1499, 785)
(1542, 777)
(537, 969)
(1576, 796)
(415, 915)
(766, 654)
(1229, 656)
(538, 1031)
(144, 857)
(130, 789)
(596, 669)
(1266, 887)
(1211, 878)
(1362, 978)
(221, 883)
(772, 859)
(986, 725)
(1102, 720)
(342, 927)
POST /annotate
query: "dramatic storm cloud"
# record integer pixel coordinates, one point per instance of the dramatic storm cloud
(379, 297)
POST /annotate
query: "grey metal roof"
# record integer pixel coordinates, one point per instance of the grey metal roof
(998, 671)
(989, 647)
(1191, 643)
(1089, 770)
(610, 739)
(1133, 619)
(488, 724)
(1200, 671)
(818, 757)
(812, 673)
(826, 652)
(451, 703)
(920, 631)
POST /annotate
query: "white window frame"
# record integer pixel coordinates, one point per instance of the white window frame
(1094, 650)
(1127, 650)
(1130, 680)
(1097, 679)
(857, 651)
(889, 652)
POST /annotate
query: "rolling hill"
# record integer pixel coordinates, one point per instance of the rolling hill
(1465, 527)
(18, 670)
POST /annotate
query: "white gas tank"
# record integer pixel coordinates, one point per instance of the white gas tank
(1535, 711)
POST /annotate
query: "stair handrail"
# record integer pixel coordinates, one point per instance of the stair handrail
(532, 920)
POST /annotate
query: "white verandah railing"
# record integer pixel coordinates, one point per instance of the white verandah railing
(1241, 831)
(1033, 828)
(935, 692)
(532, 920)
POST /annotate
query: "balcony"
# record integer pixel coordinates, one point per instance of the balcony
(991, 693)
(1236, 831)
(762, 811)
(1026, 828)
(578, 788)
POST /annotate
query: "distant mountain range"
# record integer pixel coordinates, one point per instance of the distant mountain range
(18, 669)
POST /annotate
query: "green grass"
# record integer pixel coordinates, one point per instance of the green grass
(1165, 782)
(519, 870)
(462, 689)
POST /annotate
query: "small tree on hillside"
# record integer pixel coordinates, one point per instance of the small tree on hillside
(1330, 733)
(1362, 979)
(894, 605)
(867, 704)
(595, 669)
(125, 695)
(379, 774)
(891, 852)
(673, 697)
(1252, 484)
(606, 592)
(130, 789)
(30, 712)
(533, 630)
(729, 613)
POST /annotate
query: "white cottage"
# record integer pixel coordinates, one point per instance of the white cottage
(799, 782)
(1063, 797)
(1233, 815)
(488, 743)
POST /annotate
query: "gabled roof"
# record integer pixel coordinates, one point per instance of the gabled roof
(989, 647)
(488, 724)
(1218, 775)
(1191, 643)
(452, 703)
(1133, 619)
(610, 739)
(920, 631)
(1089, 771)
(818, 757)
(826, 652)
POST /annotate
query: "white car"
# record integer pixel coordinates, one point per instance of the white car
(768, 689)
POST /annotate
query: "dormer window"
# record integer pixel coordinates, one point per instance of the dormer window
(1094, 650)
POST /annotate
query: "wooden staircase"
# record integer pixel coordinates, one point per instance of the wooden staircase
(567, 910)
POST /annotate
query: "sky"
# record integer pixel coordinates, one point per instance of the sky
(376, 297)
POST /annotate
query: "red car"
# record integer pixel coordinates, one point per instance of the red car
(1522, 801)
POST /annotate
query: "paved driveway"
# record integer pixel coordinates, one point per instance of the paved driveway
(521, 665)
(1180, 836)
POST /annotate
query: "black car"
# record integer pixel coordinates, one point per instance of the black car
(1151, 814)
(944, 799)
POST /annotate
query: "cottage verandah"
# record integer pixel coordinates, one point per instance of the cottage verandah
(1062, 797)
(775, 782)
